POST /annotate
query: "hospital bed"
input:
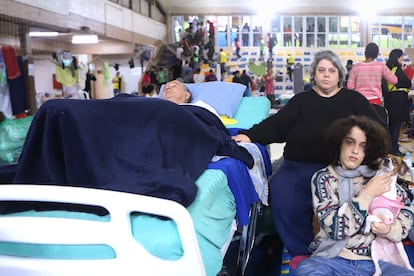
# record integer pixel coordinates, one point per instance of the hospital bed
(137, 234)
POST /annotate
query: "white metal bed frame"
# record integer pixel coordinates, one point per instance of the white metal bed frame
(131, 258)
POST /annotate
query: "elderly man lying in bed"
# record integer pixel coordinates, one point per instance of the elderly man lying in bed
(177, 92)
(126, 143)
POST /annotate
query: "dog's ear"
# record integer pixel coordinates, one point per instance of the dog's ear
(377, 162)
(403, 168)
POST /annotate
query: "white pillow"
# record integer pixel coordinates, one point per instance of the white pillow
(200, 103)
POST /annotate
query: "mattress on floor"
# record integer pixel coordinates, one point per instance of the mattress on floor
(213, 212)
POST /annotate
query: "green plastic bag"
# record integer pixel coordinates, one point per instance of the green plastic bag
(12, 136)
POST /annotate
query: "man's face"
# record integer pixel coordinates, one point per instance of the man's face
(175, 91)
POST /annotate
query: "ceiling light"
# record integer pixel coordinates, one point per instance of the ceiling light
(43, 34)
(85, 39)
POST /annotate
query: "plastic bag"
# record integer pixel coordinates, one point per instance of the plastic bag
(12, 136)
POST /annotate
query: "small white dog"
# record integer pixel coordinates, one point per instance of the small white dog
(387, 206)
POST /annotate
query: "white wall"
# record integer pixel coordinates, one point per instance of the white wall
(43, 75)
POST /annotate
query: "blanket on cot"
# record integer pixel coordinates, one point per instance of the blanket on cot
(126, 143)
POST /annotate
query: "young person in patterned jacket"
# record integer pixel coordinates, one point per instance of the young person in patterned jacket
(354, 146)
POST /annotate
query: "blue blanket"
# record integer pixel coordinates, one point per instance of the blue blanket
(126, 143)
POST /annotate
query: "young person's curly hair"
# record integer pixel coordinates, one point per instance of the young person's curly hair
(378, 142)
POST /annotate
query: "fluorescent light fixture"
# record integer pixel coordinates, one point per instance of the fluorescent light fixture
(43, 34)
(85, 39)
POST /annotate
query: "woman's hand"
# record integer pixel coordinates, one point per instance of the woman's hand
(380, 228)
(242, 138)
(379, 184)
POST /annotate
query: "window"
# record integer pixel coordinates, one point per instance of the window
(298, 30)
(287, 31)
(257, 24)
(321, 27)
(310, 32)
(333, 34)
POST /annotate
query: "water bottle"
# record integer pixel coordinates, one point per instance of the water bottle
(407, 159)
(409, 162)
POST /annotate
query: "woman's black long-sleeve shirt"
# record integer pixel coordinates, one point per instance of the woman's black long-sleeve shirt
(302, 121)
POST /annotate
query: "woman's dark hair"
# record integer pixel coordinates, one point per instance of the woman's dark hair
(371, 50)
(378, 143)
(148, 89)
(392, 61)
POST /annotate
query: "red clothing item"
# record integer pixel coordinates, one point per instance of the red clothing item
(146, 80)
(254, 85)
(210, 77)
(409, 71)
(376, 101)
(12, 66)
(211, 28)
(269, 82)
(237, 44)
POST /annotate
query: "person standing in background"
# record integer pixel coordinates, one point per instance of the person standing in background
(236, 77)
(288, 36)
(88, 83)
(396, 98)
(211, 29)
(222, 62)
(270, 44)
(246, 80)
(145, 83)
(290, 64)
(366, 77)
(237, 45)
(269, 82)
(348, 66)
(161, 77)
(245, 34)
(262, 48)
(116, 83)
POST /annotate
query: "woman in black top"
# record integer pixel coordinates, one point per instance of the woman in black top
(301, 124)
(396, 98)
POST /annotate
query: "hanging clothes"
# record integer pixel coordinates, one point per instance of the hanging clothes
(5, 103)
(106, 73)
(12, 66)
(3, 74)
(65, 76)
(17, 90)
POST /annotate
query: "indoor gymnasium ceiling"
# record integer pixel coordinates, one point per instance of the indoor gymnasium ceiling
(296, 7)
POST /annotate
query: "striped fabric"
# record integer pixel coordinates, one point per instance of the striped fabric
(366, 78)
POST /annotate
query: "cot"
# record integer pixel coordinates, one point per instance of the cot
(148, 234)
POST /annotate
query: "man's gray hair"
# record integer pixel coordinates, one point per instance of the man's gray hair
(186, 89)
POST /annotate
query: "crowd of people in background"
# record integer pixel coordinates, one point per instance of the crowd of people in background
(196, 47)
